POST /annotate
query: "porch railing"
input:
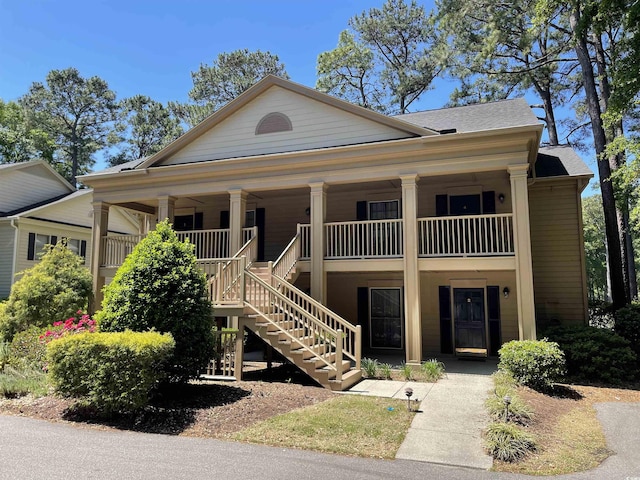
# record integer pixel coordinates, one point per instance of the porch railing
(305, 240)
(115, 248)
(208, 243)
(363, 239)
(472, 235)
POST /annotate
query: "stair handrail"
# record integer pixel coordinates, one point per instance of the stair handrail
(288, 259)
(300, 313)
(352, 334)
(250, 248)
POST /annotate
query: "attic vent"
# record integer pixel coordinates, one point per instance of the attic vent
(274, 122)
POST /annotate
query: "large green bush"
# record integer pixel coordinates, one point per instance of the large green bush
(115, 372)
(160, 287)
(627, 325)
(55, 288)
(595, 354)
(535, 363)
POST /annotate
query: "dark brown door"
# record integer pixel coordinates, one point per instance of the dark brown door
(469, 318)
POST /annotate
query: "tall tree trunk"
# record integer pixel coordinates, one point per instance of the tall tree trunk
(619, 160)
(550, 117)
(619, 298)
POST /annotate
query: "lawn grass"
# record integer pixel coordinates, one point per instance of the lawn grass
(346, 425)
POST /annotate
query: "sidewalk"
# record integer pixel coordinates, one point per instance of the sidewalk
(447, 428)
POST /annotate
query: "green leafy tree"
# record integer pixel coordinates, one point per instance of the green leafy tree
(77, 112)
(405, 57)
(144, 128)
(52, 290)
(348, 72)
(20, 141)
(229, 75)
(159, 286)
(497, 49)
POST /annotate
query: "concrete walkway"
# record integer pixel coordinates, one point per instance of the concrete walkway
(447, 428)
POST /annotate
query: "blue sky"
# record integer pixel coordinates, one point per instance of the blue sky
(151, 47)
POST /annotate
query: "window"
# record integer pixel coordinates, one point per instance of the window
(385, 317)
(37, 241)
(385, 210)
(250, 218)
(41, 241)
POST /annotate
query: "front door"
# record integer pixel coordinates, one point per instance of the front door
(469, 320)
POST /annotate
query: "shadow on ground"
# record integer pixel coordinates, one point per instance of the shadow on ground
(173, 409)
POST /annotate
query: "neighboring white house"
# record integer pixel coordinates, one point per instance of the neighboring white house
(39, 207)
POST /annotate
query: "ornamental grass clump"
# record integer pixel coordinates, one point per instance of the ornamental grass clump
(508, 442)
(432, 370)
(160, 287)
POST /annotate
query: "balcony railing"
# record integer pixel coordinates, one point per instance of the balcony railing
(208, 243)
(465, 236)
(364, 239)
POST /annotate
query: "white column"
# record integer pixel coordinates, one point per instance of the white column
(413, 324)
(237, 215)
(166, 207)
(318, 217)
(522, 240)
(99, 230)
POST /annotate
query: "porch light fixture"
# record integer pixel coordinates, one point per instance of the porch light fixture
(506, 292)
(501, 197)
(307, 211)
(408, 392)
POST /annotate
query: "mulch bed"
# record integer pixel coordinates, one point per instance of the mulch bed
(201, 409)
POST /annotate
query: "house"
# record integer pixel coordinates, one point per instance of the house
(440, 232)
(39, 207)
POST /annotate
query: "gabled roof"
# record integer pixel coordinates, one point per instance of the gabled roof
(7, 167)
(31, 209)
(559, 161)
(473, 118)
(259, 88)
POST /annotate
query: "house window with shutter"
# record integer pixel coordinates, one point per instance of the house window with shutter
(37, 242)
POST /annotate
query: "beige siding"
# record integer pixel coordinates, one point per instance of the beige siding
(46, 228)
(7, 235)
(315, 125)
(28, 186)
(342, 291)
(556, 248)
(77, 210)
(430, 305)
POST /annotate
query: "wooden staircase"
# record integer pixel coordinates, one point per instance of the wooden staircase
(319, 342)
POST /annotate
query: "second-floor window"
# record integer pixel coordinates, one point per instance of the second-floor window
(384, 210)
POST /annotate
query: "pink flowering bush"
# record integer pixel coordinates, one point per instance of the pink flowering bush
(80, 323)
(29, 347)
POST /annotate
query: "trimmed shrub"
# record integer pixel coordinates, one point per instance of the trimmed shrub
(114, 372)
(508, 442)
(595, 354)
(627, 325)
(160, 287)
(57, 287)
(534, 363)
